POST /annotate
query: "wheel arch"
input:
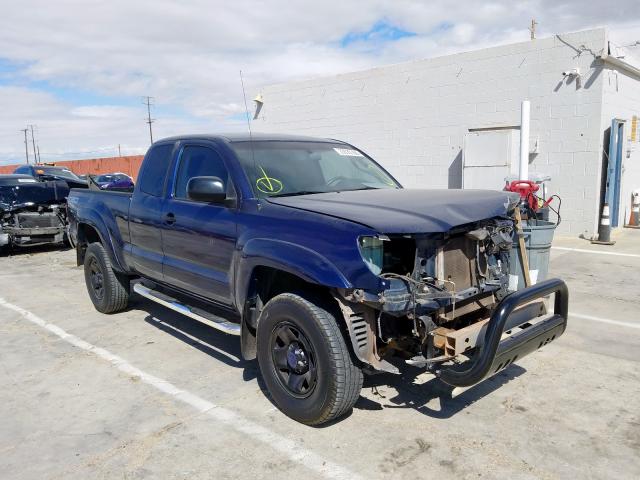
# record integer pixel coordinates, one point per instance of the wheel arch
(267, 282)
(89, 233)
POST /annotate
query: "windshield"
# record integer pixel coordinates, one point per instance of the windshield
(57, 171)
(294, 168)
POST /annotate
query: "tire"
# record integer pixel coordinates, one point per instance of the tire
(108, 290)
(305, 362)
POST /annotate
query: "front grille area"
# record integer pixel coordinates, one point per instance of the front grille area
(38, 220)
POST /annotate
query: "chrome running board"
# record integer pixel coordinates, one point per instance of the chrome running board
(207, 318)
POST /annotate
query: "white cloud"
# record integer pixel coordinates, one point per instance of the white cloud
(187, 54)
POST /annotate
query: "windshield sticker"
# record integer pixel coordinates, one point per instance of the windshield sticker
(348, 152)
(267, 184)
(26, 180)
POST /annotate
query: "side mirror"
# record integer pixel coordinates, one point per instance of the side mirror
(206, 189)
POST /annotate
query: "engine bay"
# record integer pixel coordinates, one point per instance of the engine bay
(434, 286)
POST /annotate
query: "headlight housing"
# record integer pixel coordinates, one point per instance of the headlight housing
(372, 252)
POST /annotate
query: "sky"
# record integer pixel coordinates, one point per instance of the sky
(78, 70)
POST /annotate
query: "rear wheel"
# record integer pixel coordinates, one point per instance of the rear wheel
(304, 360)
(108, 290)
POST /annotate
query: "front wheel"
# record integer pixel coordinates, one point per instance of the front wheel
(304, 360)
(108, 290)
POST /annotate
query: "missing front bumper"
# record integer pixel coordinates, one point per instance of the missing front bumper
(495, 354)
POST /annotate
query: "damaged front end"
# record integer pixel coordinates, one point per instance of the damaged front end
(445, 304)
(32, 214)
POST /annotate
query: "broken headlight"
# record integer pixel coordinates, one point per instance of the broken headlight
(372, 252)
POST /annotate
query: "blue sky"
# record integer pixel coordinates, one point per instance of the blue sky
(379, 33)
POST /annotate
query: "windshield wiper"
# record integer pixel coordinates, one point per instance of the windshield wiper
(366, 187)
(295, 194)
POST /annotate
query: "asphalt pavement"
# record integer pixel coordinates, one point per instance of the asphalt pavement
(148, 393)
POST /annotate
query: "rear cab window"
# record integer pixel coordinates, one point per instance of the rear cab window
(154, 171)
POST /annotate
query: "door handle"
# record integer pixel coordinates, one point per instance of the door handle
(169, 219)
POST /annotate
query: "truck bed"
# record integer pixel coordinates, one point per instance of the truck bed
(108, 207)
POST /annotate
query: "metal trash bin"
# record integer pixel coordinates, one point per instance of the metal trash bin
(537, 240)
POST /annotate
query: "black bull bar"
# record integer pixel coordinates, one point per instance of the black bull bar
(494, 355)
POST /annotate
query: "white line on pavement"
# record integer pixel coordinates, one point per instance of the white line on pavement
(599, 252)
(291, 449)
(604, 320)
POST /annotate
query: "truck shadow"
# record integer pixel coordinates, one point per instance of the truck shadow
(22, 251)
(410, 394)
(404, 391)
(220, 346)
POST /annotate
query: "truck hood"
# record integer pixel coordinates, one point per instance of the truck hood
(406, 210)
(24, 195)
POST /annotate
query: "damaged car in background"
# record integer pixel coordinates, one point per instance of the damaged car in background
(31, 212)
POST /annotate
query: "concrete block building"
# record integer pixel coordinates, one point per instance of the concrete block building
(454, 121)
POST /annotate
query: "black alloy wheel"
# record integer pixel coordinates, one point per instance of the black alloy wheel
(96, 278)
(294, 359)
(108, 289)
(306, 364)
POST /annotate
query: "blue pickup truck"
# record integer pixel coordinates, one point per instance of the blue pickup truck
(320, 261)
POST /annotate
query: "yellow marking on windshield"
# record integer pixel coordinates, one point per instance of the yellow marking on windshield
(267, 184)
(383, 178)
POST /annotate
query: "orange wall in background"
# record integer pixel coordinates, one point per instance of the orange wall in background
(93, 166)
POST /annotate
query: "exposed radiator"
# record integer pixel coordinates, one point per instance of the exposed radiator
(38, 220)
(459, 259)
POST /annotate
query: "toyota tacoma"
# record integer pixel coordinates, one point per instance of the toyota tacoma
(318, 259)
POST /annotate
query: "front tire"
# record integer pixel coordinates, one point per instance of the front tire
(108, 290)
(304, 360)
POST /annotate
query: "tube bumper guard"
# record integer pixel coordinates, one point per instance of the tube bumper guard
(494, 354)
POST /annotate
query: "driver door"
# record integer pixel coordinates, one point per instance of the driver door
(199, 238)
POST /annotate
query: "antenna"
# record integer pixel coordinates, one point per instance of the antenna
(246, 108)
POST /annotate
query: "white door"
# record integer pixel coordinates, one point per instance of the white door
(488, 157)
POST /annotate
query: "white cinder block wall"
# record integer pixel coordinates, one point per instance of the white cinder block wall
(412, 117)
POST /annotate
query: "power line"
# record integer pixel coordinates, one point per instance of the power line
(26, 144)
(532, 28)
(148, 103)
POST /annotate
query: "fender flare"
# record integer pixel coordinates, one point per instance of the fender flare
(100, 228)
(286, 256)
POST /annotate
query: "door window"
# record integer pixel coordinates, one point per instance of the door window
(197, 161)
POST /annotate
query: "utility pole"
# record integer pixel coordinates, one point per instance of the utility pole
(26, 144)
(33, 142)
(119, 152)
(532, 28)
(148, 103)
(39, 159)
